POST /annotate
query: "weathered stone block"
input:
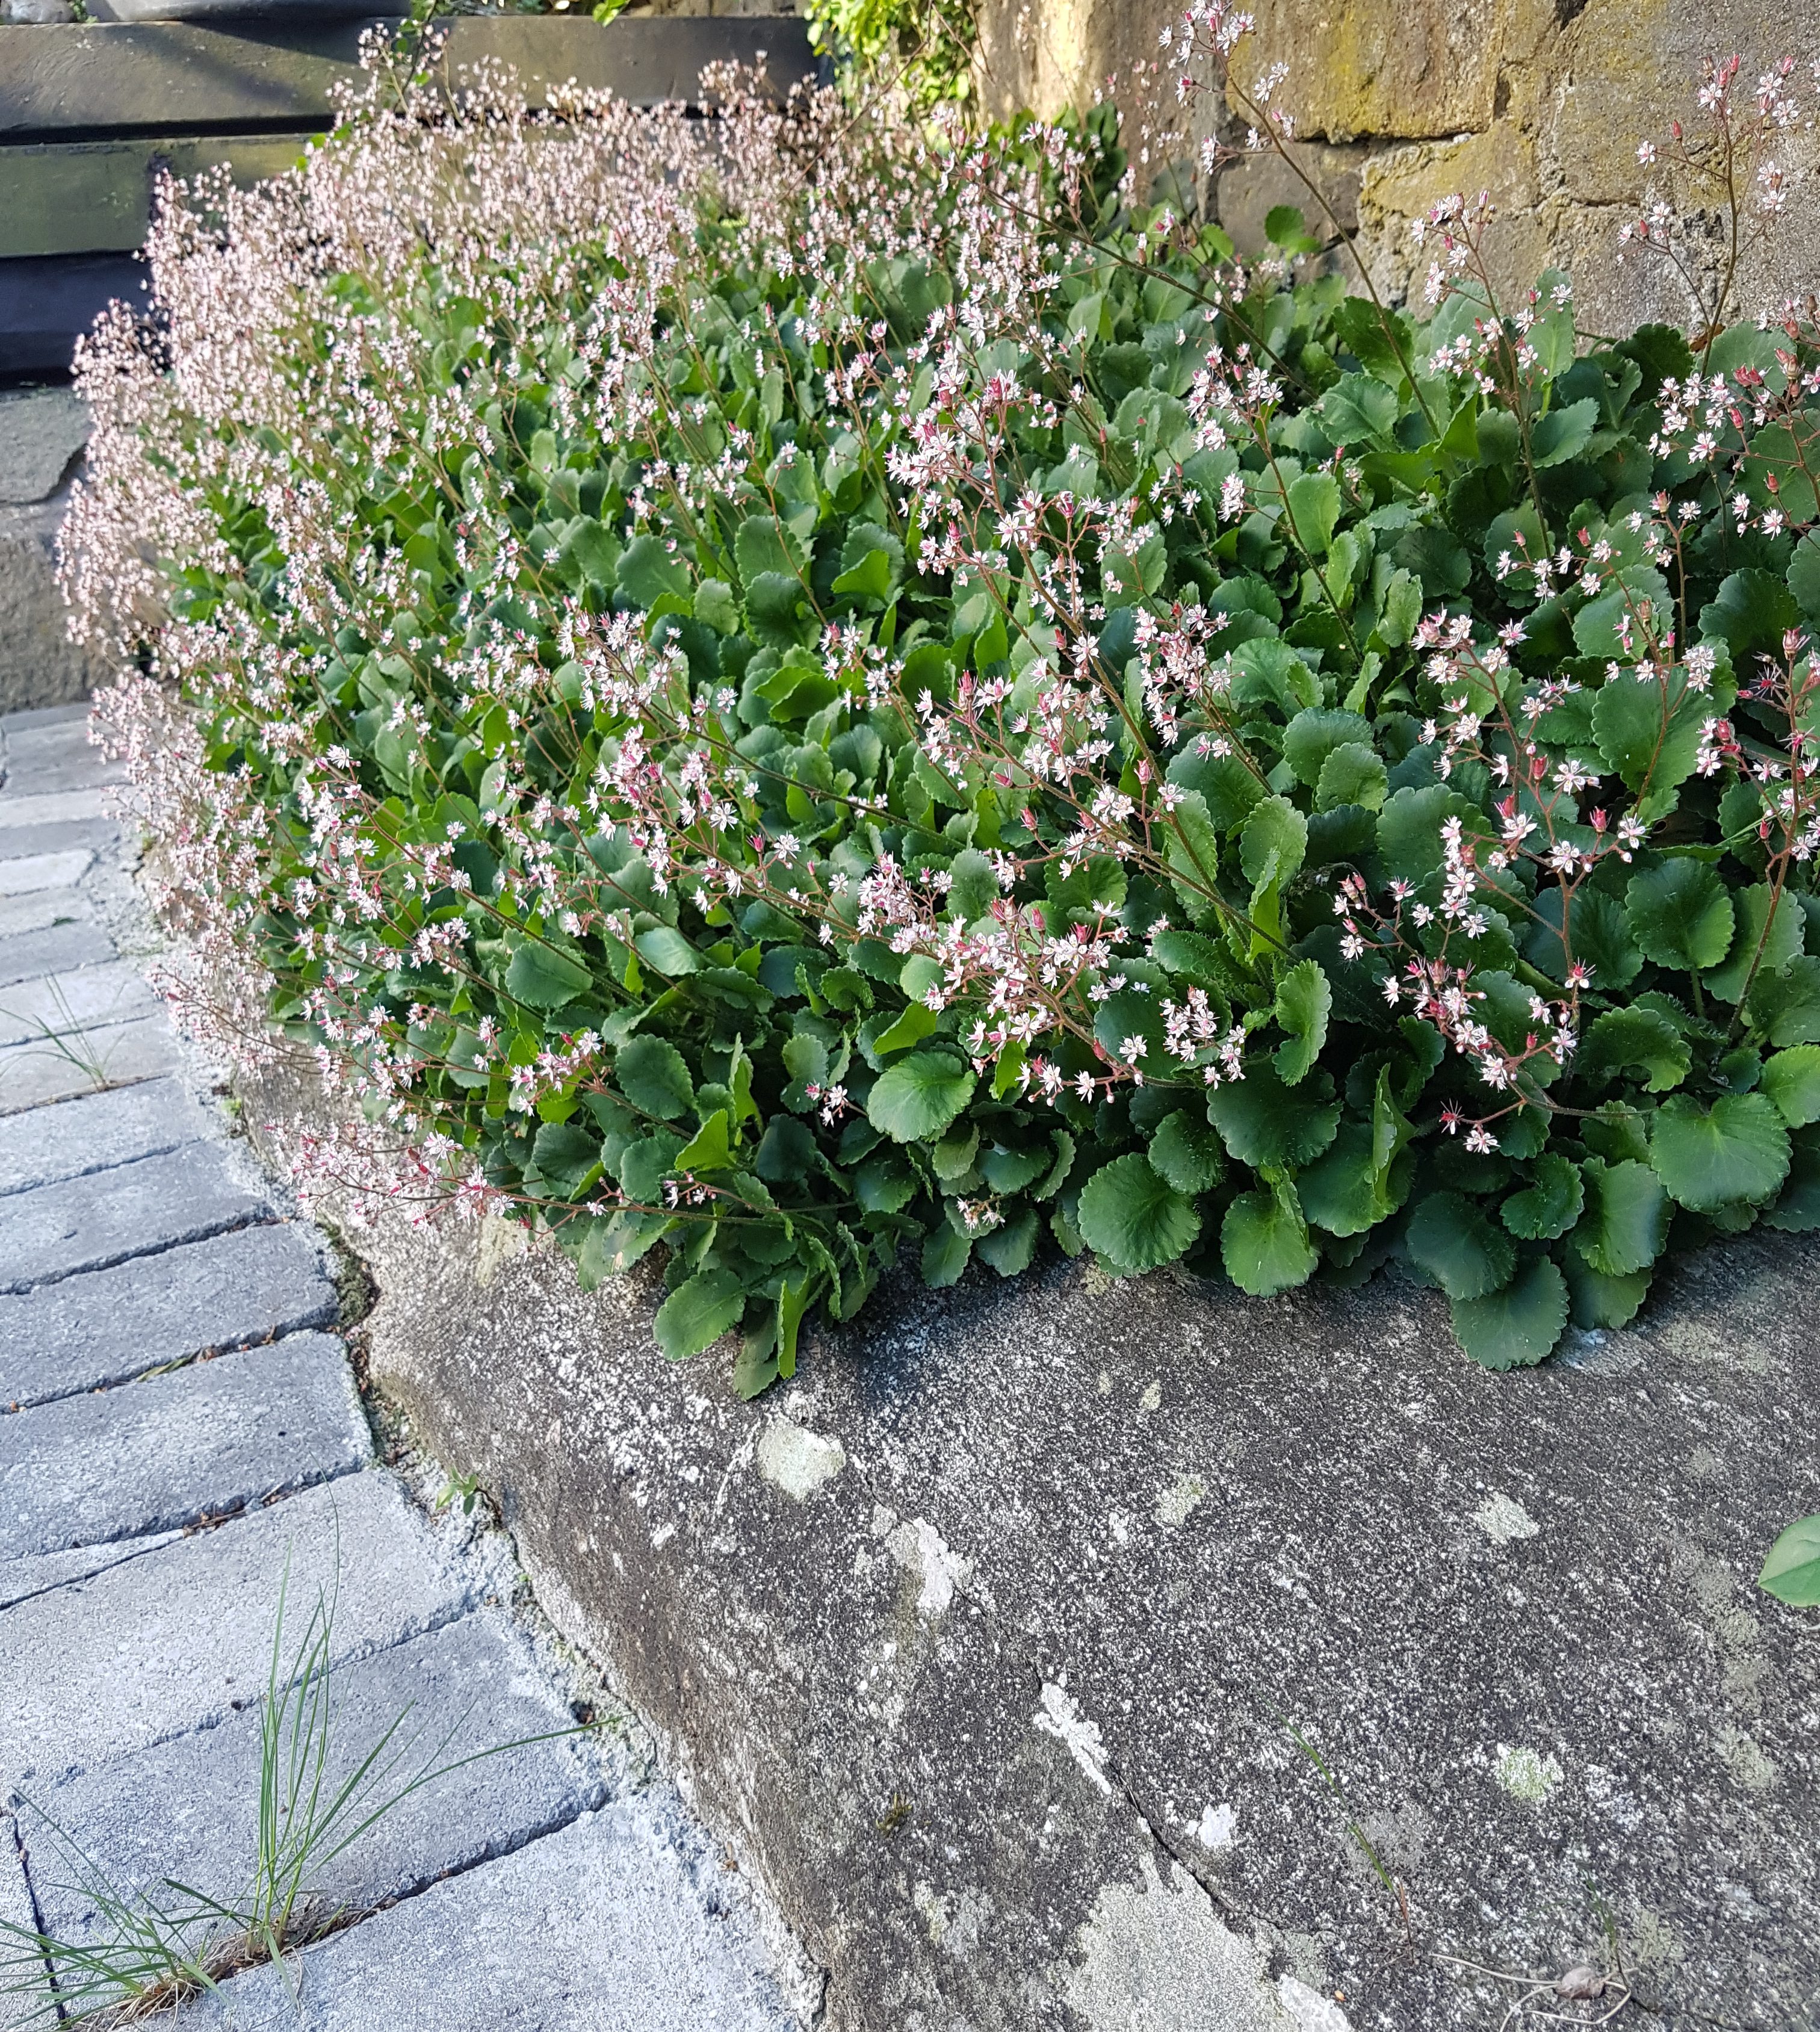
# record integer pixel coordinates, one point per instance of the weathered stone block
(1009, 1639)
(205, 1440)
(25, 955)
(104, 1326)
(38, 1573)
(33, 1075)
(68, 1003)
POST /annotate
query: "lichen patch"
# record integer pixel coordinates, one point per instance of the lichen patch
(796, 1460)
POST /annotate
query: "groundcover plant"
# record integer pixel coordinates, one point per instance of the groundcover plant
(787, 692)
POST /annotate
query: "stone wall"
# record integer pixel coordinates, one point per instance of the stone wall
(42, 434)
(1541, 103)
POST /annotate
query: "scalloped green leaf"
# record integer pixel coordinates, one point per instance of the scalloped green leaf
(1598, 1300)
(1263, 1122)
(1639, 1040)
(1264, 1242)
(1626, 1219)
(1519, 1326)
(1737, 1151)
(1550, 1203)
(1450, 1238)
(1185, 1151)
(1304, 1003)
(1791, 1080)
(653, 1075)
(1770, 932)
(542, 978)
(1680, 915)
(1133, 1216)
(916, 1098)
(1352, 774)
(697, 1313)
(1791, 1571)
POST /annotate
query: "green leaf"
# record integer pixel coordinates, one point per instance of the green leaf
(1737, 1151)
(1550, 1204)
(1598, 933)
(1779, 938)
(1680, 915)
(1313, 735)
(648, 571)
(762, 545)
(1626, 1220)
(1519, 1325)
(1565, 434)
(918, 1021)
(871, 562)
(1186, 1152)
(1304, 1003)
(1352, 774)
(1263, 1122)
(1648, 728)
(715, 606)
(883, 1183)
(696, 1314)
(1274, 844)
(541, 978)
(1784, 1008)
(944, 1256)
(1313, 501)
(916, 1099)
(1797, 1210)
(667, 950)
(652, 1076)
(1362, 1179)
(568, 1156)
(1459, 1249)
(1635, 1040)
(1133, 1216)
(1009, 1249)
(1791, 1080)
(1598, 1300)
(1792, 1572)
(1264, 1242)
(1749, 613)
(1192, 848)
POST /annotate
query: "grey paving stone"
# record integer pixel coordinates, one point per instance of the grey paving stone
(17, 723)
(21, 874)
(58, 835)
(39, 1572)
(104, 1326)
(88, 1223)
(100, 1131)
(25, 807)
(35, 1074)
(157, 1646)
(41, 908)
(71, 765)
(599, 1928)
(42, 434)
(205, 1440)
(188, 1809)
(51, 948)
(71, 1003)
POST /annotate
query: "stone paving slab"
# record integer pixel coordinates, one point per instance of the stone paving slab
(89, 1224)
(33, 808)
(39, 1572)
(105, 1326)
(15, 1894)
(51, 949)
(21, 874)
(56, 836)
(205, 1440)
(188, 1810)
(72, 765)
(98, 1132)
(37, 717)
(39, 908)
(157, 1646)
(607, 1901)
(36, 1074)
(72, 1003)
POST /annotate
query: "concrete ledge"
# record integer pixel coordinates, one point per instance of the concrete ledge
(1091, 1656)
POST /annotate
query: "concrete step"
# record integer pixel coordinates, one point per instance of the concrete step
(24, 874)
(187, 1810)
(99, 1132)
(68, 1003)
(104, 1326)
(155, 1647)
(38, 908)
(38, 1573)
(615, 1924)
(53, 1231)
(205, 1440)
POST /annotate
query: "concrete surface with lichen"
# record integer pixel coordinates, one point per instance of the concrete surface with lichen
(1081, 1654)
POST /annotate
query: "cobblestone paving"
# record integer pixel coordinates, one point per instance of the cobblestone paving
(181, 1439)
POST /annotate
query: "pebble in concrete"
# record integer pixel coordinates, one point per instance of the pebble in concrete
(100, 1131)
(104, 1326)
(602, 1900)
(156, 1646)
(205, 1441)
(88, 1223)
(188, 1810)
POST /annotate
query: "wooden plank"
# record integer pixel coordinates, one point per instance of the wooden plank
(94, 197)
(175, 77)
